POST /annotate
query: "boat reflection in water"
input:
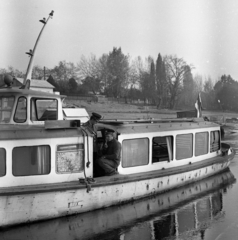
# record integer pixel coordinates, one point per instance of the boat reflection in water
(183, 212)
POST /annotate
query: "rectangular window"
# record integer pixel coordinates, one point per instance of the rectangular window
(2, 162)
(135, 152)
(70, 158)
(184, 146)
(21, 110)
(31, 160)
(6, 107)
(201, 143)
(214, 141)
(44, 109)
(162, 149)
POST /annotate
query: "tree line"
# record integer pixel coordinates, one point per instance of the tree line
(166, 82)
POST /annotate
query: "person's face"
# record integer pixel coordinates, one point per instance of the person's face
(109, 138)
(94, 121)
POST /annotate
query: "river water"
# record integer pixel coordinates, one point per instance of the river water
(207, 210)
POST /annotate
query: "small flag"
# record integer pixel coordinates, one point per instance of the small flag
(198, 106)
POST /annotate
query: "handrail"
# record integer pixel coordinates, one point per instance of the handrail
(32, 53)
(160, 120)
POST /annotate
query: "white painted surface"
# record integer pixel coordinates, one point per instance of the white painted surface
(30, 207)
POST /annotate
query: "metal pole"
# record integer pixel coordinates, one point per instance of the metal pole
(32, 53)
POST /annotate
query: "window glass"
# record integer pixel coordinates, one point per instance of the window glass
(201, 143)
(214, 141)
(44, 109)
(32, 160)
(70, 158)
(184, 146)
(162, 149)
(135, 152)
(6, 108)
(2, 162)
(21, 110)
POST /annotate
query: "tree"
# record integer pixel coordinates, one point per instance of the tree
(208, 85)
(175, 70)
(145, 86)
(12, 71)
(91, 84)
(37, 72)
(64, 71)
(93, 72)
(226, 93)
(118, 72)
(198, 83)
(152, 85)
(73, 86)
(187, 97)
(161, 82)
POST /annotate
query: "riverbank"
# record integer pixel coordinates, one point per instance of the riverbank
(114, 110)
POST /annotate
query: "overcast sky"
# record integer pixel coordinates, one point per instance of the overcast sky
(202, 32)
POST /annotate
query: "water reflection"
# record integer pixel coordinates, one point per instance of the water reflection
(184, 212)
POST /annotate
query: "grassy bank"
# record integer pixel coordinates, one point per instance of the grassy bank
(113, 110)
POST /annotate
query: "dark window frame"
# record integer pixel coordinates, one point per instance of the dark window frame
(34, 102)
(31, 161)
(14, 118)
(164, 151)
(212, 144)
(4, 163)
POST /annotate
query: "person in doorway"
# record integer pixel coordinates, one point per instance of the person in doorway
(111, 157)
(90, 125)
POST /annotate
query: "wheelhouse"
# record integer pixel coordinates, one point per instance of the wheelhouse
(27, 107)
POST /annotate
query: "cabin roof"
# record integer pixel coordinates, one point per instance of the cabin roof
(37, 83)
(13, 132)
(27, 92)
(157, 126)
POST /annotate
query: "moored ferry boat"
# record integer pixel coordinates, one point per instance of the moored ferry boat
(201, 201)
(43, 160)
(47, 165)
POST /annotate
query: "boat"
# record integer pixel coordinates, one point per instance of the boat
(201, 202)
(47, 165)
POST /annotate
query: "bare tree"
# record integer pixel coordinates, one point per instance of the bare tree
(175, 70)
(198, 83)
(88, 67)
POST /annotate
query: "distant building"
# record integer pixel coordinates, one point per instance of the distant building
(37, 85)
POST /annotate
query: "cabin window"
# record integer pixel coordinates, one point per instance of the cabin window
(70, 158)
(214, 141)
(21, 109)
(135, 152)
(44, 109)
(184, 146)
(201, 143)
(162, 149)
(6, 107)
(2, 162)
(31, 160)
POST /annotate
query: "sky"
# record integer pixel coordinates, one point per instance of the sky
(202, 32)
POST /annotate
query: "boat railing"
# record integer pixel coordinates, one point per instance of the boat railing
(151, 120)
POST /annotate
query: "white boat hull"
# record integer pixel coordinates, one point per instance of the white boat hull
(29, 204)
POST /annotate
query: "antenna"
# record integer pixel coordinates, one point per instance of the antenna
(31, 53)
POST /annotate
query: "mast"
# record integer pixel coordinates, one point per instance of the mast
(31, 53)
